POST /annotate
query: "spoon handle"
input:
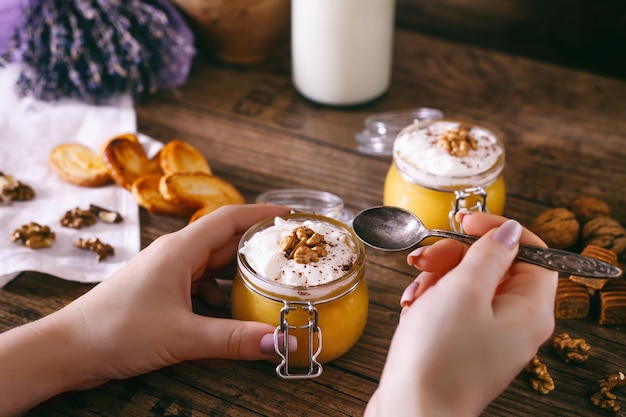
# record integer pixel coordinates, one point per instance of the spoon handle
(554, 259)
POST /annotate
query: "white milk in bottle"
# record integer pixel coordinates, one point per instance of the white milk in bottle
(342, 49)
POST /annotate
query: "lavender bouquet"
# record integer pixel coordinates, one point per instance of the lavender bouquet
(93, 49)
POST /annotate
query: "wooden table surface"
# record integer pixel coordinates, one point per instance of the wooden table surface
(564, 132)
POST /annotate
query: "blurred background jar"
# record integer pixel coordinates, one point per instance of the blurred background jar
(442, 166)
(342, 50)
(240, 31)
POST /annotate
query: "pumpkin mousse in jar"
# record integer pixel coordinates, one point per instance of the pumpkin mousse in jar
(443, 166)
(303, 273)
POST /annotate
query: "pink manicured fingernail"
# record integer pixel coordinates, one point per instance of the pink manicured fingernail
(416, 253)
(461, 214)
(267, 343)
(409, 294)
(508, 234)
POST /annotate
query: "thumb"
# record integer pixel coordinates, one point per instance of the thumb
(210, 337)
(491, 256)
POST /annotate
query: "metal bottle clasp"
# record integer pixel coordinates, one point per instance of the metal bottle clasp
(460, 203)
(282, 349)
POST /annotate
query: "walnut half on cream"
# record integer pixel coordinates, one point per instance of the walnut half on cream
(457, 142)
(303, 245)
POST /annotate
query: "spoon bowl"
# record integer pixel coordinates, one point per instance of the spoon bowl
(391, 228)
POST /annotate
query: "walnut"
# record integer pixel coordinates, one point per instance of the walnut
(77, 218)
(288, 243)
(558, 227)
(303, 245)
(14, 190)
(103, 250)
(305, 255)
(602, 396)
(22, 192)
(605, 232)
(7, 181)
(587, 207)
(34, 236)
(457, 142)
(571, 350)
(107, 216)
(540, 379)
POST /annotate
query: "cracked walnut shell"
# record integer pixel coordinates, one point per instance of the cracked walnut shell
(557, 227)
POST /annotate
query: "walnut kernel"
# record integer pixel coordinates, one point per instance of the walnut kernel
(14, 190)
(558, 227)
(571, 350)
(457, 142)
(34, 236)
(102, 250)
(602, 396)
(303, 245)
(540, 379)
(305, 255)
(78, 218)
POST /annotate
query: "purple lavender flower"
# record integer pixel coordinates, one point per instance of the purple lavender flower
(94, 49)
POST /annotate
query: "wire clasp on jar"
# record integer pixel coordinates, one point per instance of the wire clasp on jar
(282, 349)
(460, 203)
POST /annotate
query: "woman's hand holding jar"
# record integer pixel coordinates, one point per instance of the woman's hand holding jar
(303, 273)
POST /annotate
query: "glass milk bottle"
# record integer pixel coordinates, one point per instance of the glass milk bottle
(342, 49)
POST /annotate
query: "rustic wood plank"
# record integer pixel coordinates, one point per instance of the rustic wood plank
(579, 33)
(563, 134)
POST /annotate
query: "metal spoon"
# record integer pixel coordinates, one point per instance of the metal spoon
(394, 229)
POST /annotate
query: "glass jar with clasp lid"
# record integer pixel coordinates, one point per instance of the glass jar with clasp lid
(442, 166)
(324, 297)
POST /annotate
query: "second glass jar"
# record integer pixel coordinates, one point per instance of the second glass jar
(433, 180)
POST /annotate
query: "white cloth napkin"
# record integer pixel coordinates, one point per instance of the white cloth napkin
(29, 130)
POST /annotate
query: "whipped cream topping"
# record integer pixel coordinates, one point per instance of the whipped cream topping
(264, 255)
(417, 153)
